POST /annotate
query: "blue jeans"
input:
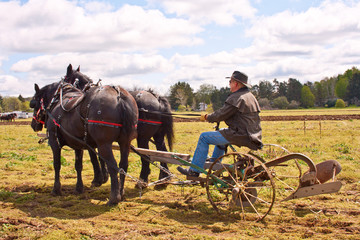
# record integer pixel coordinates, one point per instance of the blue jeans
(202, 148)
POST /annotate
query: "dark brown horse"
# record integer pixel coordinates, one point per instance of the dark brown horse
(155, 121)
(103, 116)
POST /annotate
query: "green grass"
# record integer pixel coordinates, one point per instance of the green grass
(29, 211)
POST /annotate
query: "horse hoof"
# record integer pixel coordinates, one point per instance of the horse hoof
(115, 198)
(111, 204)
(56, 192)
(95, 184)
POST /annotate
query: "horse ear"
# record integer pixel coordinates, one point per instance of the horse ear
(37, 89)
(69, 70)
(78, 69)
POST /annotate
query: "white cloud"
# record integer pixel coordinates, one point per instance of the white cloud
(10, 84)
(317, 26)
(50, 26)
(141, 46)
(221, 12)
(97, 7)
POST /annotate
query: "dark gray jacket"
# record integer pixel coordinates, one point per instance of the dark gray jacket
(241, 113)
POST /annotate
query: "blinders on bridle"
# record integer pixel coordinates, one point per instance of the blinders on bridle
(39, 110)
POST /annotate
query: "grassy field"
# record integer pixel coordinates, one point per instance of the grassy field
(29, 211)
(317, 111)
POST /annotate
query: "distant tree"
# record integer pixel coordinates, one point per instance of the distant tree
(307, 97)
(11, 104)
(1, 103)
(353, 89)
(266, 90)
(294, 88)
(330, 84)
(218, 97)
(282, 90)
(320, 93)
(204, 93)
(340, 103)
(293, 105)
(264, 103)
(25, 106)
(330, 103)
(341, 86)
(181, 93)
(281, 102)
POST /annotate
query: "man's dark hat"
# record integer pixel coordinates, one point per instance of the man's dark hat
(240, 77)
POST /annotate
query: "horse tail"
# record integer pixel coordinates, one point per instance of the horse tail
(128, 112)
(167, 121)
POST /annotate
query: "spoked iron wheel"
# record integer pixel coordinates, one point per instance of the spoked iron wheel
(240, 184)
(286, 175)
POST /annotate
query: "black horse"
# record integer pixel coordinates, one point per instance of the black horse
(104, 115)
(155, 121)
(83, 82)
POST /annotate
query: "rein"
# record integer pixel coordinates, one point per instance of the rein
(176, 115)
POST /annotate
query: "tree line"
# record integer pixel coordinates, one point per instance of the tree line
(340, 91)
(337, 91)
(10, 104)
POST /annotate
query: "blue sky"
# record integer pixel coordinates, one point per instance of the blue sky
(156, 43)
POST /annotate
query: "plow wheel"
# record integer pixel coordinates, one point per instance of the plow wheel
(286, 175)
(239, 184)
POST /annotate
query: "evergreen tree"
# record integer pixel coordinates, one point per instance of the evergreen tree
(266, 90)
(218, 97)
(294, 88)
(353, 89)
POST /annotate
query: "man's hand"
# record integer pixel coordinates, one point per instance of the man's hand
(203, 117)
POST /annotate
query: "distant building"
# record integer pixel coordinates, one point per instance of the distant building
(202, 106)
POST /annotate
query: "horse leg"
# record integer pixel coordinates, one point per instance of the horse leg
(57, 165)
(105, 152)
(145, 165)
(79, 167)
(98, 170)
(104, 171)
(160, 146)
(123, 164)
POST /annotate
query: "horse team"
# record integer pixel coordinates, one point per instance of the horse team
(87, 116)
(8, 117)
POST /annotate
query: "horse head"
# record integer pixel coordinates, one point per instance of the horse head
(76, 78)
(40, 102)
(37, 103)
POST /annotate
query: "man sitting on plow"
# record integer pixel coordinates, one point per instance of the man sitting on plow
(241, 113)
